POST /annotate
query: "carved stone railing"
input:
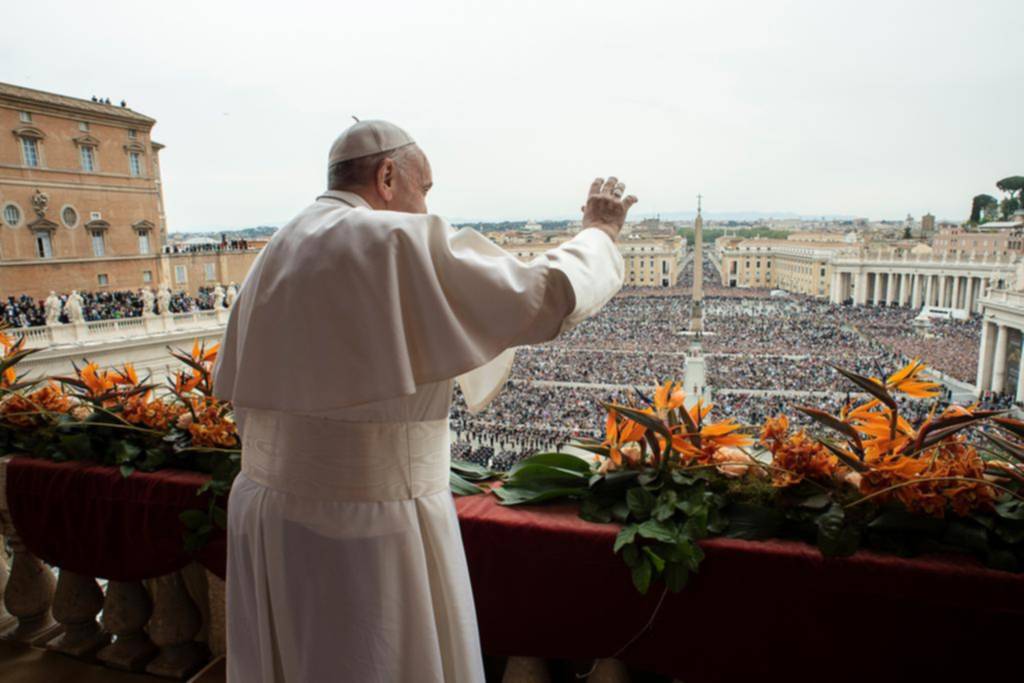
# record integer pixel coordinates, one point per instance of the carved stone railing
(46, 336)
(169, 626)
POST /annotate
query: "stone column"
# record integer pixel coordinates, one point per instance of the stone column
(1019, 398)
(985, 351)
(125, 613)
(834, 293)
(956, 292)
(915, 293)
(860, 294)
(928, 290)
(891, 281)
(876, 294)
(999, 360)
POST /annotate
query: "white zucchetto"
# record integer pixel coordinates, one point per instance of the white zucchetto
(364, 138)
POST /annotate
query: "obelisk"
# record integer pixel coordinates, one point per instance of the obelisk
(695, 374)
(697, 293)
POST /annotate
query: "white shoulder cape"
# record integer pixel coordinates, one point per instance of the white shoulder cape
(347, 305)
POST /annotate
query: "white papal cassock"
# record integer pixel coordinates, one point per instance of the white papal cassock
(345, 561)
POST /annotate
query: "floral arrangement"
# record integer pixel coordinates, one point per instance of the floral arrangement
(668, 473)
(671, 476)
(114, 417)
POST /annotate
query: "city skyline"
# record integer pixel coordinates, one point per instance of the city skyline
(782, 108)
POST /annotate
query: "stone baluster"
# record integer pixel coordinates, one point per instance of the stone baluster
(6, 619)
(173, 628)
(125, 613)
(29, 590)
(216, 599)
(526, 670)
(75, 605)
(609, 671)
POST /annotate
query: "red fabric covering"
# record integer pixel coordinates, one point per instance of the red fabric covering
(547, 584)
(93, 521)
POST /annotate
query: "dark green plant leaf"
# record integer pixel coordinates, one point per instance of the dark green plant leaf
(460, 486)
(640, 502)
(675, 576)
(656, 560)
(193, 519)
(642, 574)
(657, 531)
(835, 536)
(752, 522)
(626, 536)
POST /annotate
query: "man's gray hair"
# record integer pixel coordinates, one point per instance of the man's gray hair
(360, 172)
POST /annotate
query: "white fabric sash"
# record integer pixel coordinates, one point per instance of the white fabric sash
(332, 460)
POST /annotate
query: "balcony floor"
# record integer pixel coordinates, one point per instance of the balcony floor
(24, 664)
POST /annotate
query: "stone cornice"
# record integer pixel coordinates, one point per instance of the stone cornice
(86, 141)
(42, 224)
(29, 132)
(98, 224)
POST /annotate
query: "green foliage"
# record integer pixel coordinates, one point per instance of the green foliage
(711, 234)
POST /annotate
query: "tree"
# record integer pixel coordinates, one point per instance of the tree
(1010, 185)
(981, 205)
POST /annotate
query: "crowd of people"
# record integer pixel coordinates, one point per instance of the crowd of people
(762, 355)
(25, 311)
(203, 247)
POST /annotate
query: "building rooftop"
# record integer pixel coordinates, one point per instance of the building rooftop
(17, 93)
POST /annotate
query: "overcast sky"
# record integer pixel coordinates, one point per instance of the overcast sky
(874, 109)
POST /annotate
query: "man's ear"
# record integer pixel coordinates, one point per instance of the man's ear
(386, 177)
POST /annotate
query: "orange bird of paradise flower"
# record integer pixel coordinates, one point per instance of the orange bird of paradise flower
(619, 431)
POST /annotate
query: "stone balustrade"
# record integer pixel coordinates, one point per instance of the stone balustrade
(99, 331)
(168, 626)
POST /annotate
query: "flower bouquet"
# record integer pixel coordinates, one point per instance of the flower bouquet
(671, 475)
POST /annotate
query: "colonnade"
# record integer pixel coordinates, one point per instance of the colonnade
(913, 289)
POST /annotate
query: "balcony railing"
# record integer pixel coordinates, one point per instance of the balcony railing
(46, 336)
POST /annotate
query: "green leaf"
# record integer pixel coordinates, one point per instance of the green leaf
(220, 517)
(193, 519)
(620, 511)
(752, 522)
(522, 495)
(460, 486)
(471, 471)
(640, 502)
(631, 555)
(900, 519)
(127, 471)
(666, 505)
(564, 461)
(657, 531)
(626, 536)
(1010, 509)
(965, 534)
(656, 560)
(642, 575)
(592, 510)
(818, 501)
(126, 452)
(676, 576)
(835, 536)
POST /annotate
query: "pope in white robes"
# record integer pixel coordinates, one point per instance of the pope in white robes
(345, 561)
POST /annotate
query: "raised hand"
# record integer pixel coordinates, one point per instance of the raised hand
(606, 208)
